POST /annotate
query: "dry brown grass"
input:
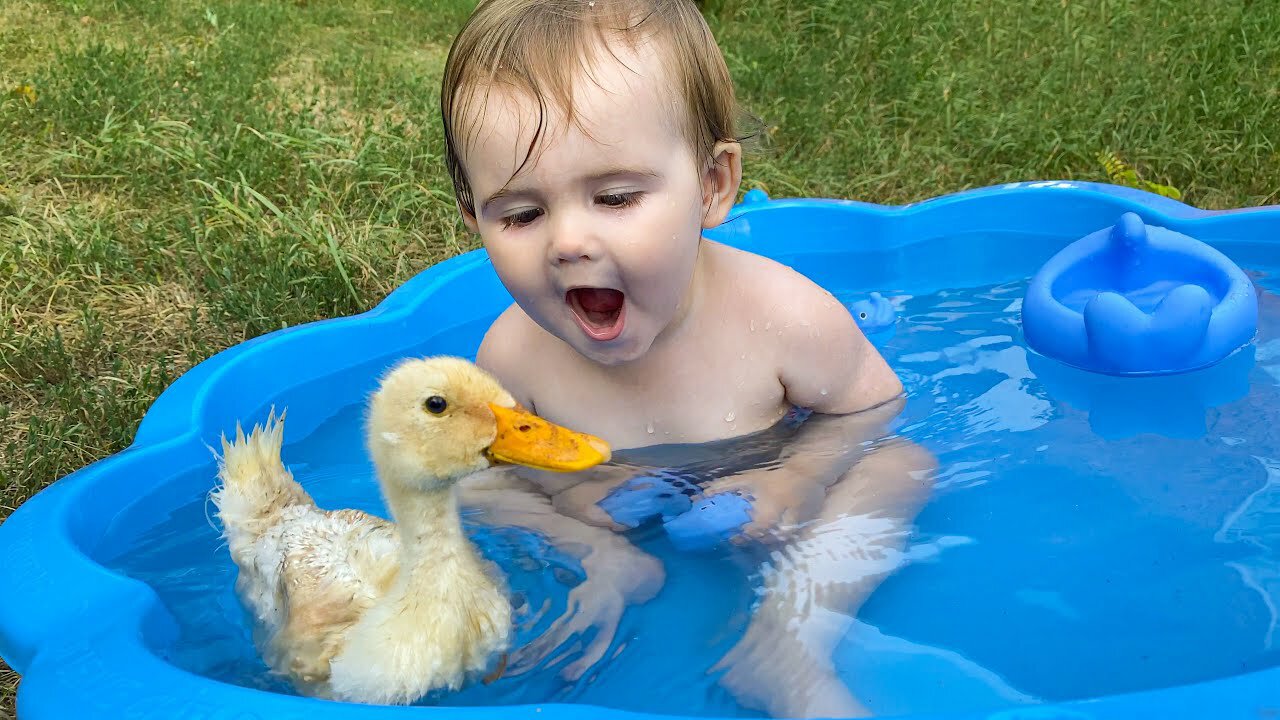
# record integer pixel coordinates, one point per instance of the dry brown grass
(8, 692)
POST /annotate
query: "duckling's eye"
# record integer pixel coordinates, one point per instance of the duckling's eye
(435, 405)
(863, 315)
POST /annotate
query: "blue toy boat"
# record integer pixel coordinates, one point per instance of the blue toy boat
(1135, 299)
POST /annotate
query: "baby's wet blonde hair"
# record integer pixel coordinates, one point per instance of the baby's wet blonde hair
(541, 47)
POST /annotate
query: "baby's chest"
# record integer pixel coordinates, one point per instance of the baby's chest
(697, 403)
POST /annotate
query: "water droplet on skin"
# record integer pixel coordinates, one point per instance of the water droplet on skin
(649, 428)
(753, 326)
(823, 391)
(730, 417)
(768, 325)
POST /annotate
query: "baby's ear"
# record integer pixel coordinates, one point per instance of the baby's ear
(720, 182)
(468, 217)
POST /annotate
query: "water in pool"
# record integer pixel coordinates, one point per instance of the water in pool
(1083, 536)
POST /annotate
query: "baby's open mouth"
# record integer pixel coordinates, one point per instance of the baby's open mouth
(600, 312)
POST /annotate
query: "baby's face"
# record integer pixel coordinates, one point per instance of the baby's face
(597, 237)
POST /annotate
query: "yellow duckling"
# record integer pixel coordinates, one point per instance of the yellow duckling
(353, 607)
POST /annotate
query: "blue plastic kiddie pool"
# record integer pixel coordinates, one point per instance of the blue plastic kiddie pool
(1097, 545)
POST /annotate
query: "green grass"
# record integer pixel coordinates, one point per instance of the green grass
(194, 174)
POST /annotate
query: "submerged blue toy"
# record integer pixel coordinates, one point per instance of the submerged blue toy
(1135, 299)
(692, 521)
(641, 498)
(874, 314)
(709, 521)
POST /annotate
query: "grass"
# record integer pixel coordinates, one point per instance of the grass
(179, 176)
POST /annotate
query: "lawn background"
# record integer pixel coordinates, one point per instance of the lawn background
(176, 177)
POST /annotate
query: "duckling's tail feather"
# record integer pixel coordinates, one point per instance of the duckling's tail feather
(254, 485)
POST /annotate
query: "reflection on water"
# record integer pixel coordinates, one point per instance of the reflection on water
(1082, 536)
(1255, 523)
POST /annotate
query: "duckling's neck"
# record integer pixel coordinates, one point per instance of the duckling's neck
(427, 520)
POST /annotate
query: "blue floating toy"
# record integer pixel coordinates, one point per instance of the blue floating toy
(1134, 299)
(709, 522)
(638, 499)
(874, 314)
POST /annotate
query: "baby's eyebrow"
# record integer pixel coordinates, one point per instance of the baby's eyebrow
(614, 172)
(496, 196)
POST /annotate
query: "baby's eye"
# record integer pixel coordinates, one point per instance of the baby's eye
(619, 200)
(522, 218)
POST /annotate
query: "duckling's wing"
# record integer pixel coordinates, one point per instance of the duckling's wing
(350, 553)
(329, 568)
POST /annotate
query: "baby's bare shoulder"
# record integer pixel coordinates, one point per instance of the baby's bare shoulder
(823, 359)
(779, 291)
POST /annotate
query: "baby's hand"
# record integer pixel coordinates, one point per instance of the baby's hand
(613, 582)
(779, 499)
(582, 502)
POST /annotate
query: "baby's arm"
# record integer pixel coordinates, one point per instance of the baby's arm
(862, 499)
(825, 364)
(617, 573)
(792, 491)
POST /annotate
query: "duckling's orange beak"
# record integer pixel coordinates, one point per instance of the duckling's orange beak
(526, 439)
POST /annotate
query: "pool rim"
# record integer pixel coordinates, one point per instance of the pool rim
(50, 629)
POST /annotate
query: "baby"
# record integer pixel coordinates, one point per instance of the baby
(590, 142)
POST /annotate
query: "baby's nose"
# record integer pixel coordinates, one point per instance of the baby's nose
(571, 244)
(571, 252)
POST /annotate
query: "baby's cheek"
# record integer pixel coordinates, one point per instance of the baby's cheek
(659, 283)
(665, 249)
(517, 269)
